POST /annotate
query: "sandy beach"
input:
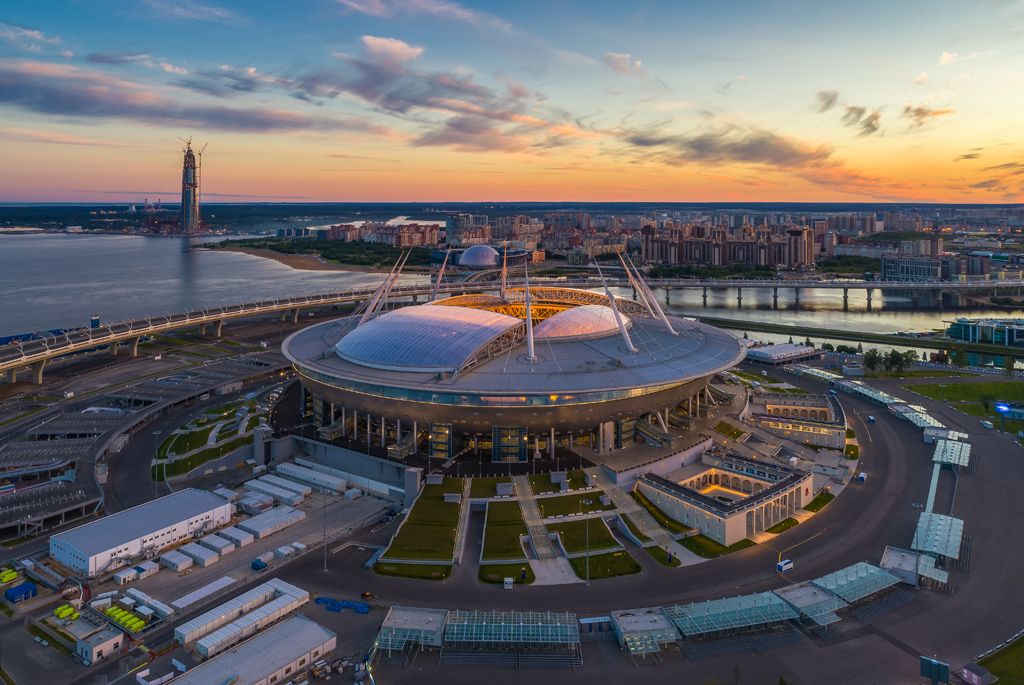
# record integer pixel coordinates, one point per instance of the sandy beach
(304, 262)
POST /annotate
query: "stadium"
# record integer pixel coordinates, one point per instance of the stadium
(515, 372)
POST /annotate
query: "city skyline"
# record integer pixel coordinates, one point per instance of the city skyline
(426, 100)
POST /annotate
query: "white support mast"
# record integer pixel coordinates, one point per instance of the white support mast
(381, 290)
(440, 274)
(529, 316)
(615, 311)
(652, 301)
(638, 288)
(504, 269)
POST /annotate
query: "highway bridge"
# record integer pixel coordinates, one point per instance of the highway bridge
(35, 353)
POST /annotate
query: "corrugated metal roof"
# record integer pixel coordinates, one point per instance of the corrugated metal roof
(260, 655)
(128, 525)
(423, 338)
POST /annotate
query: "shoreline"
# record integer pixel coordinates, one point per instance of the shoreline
(300, 262)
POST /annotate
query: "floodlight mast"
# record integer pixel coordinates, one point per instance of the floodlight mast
(440, 275)
(529, 316)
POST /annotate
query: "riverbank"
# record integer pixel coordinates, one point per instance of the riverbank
(302, 262)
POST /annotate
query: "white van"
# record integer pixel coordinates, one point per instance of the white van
(784, 565)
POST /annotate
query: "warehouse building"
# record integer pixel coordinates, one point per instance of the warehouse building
(140, 532)
(274, 656)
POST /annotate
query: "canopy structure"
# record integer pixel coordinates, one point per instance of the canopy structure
(411, 625)
(511, 628)
(643, 631)
(938, 534)
(815, 604)
(856, 582)
(730, 613)
(952, 453)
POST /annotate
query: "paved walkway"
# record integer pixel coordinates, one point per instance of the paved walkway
(643, 520)
(533, 519)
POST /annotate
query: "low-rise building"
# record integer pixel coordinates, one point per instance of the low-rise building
(811, 419)
(272, 657)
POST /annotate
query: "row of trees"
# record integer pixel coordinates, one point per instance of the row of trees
(895, 360)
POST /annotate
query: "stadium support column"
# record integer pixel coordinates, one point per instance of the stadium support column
(369, 428)
(551, 443)
(415, 438)
(383, 429)
(355, 425)
(398, 430)
(343, 421)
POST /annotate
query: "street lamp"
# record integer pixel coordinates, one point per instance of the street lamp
(587, 502)
(156, 453)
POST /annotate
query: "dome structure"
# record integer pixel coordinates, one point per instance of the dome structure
(479, 257)
(587, 321)
(423, 338)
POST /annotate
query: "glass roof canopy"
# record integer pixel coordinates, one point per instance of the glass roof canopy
(404, 625)
(856, 582)
(730, 613)
(938, 534)
(644, 631)
(512, 627)
(814, 603)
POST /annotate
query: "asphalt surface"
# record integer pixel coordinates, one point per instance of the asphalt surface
(984, 609)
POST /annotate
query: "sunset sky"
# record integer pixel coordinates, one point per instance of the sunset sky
(429, 100)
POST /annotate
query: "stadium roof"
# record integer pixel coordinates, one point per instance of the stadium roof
(587, 321)
(938, 534)
(423, 338)
(124, 526)
(512, 627)
(856, 582)
(261, 655)
(730, 613)
(479, 257)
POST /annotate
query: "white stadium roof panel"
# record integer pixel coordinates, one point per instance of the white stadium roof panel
(587, 321)
(423, 338)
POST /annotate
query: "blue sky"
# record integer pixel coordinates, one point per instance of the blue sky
(437, 100)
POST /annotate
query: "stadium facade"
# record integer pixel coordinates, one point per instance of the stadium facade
(514, 374)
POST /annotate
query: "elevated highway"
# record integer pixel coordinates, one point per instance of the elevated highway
(34, 354)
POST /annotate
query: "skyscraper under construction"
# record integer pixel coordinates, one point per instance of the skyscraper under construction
(190, 177)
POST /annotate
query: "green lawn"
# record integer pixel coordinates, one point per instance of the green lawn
(783, 526)
(850, 434)
(704, 546)
(1007, 664)
(572, 504)
(728, 430)
(574, 535)
(634, 530)
(969, 398)
(182, 466)
(750, 376)
(429, 532)
(181, 443)
(661, 556)
(485, 486)
(423, 571)
(819, 502)
(851, 452)
(504, 526)
(254, 420)
(497, 573)
(919, 373)
(664, 521)
(541, 483)
(605, 565)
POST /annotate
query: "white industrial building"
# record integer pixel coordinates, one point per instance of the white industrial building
(275, 655)
(143, 531)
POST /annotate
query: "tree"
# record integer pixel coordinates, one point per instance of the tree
(872, 359)
(986, 401)
(860, 347)
(897, 361)
(790, 340)
(959, 357)
(828, 347)
(924, 356)
(1008, 365)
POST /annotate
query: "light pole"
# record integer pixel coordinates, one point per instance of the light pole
(156, 453)
(1001, 409)
(588, 502)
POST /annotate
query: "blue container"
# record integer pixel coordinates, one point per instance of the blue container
(258, 565)
(20, 592)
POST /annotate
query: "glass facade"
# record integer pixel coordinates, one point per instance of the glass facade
(441, 437)
(509, 443)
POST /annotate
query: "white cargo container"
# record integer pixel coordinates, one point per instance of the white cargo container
(147, 568)
(236, 535)
(191, 598)
(203, 556)
(127, 602)
(145, 612)
(284, 551)
(353, 493)
(272, 521)
(286, 601)
(320, 481)
(126, 576)
(234, 609)
(227, 493)
(279, 482)
(176, 561)
(281, 495)
(299, 547)
(254, 503)
(217, 543)
(158, 607)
